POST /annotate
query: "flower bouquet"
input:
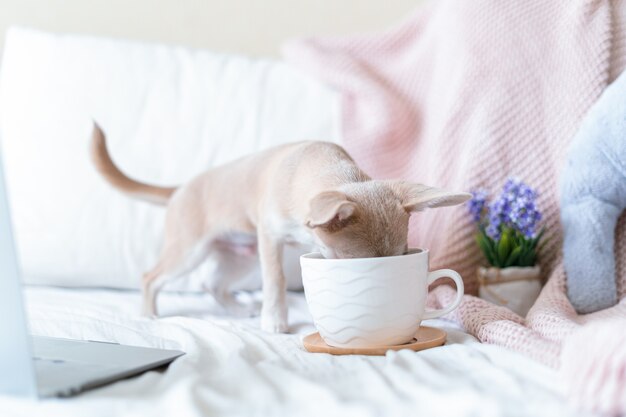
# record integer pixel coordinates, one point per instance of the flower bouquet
(508, 237)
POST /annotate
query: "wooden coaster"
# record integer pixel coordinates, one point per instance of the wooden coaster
(426, 338)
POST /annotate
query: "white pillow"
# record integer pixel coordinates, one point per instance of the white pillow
(169, 113)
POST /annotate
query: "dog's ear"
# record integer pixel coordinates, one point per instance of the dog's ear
(417, 197)
(330, 209)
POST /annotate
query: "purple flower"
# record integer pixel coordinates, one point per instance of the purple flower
(493, 231)
(515, 208)
(525, 216)
(477, 204)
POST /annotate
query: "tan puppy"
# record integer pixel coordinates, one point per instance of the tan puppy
(307, 192)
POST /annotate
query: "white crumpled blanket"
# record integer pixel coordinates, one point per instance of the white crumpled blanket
(232, 368)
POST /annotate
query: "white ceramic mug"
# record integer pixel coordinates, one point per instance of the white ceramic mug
(363, 302)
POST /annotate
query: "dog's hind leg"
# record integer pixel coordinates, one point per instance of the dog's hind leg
(149, 287)
(186, 241)
(173, 263)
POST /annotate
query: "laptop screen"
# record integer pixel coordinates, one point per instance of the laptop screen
(17, 375)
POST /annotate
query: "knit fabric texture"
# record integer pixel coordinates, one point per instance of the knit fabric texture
(463, 95)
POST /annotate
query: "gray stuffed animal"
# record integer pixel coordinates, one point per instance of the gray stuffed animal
(593, 195)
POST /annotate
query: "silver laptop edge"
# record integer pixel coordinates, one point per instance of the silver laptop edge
(33, 366)
(17, 373)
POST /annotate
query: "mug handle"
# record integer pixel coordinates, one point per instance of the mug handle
(445, 273)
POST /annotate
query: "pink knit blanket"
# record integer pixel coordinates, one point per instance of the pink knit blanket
(464, 94)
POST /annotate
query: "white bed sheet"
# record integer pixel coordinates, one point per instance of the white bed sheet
(232, 368)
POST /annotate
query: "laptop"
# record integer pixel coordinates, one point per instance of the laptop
(38, 367)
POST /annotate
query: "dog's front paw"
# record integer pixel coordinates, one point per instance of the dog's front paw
(149, 313)
(274, 320)
(272, 326)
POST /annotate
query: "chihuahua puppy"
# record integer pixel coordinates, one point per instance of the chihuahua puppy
(310, 193)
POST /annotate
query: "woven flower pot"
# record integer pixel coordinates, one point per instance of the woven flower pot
(516, 288)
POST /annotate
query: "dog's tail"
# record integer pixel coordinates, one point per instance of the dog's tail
(112, 174)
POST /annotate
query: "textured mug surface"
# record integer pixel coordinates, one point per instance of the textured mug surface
(362, 302)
